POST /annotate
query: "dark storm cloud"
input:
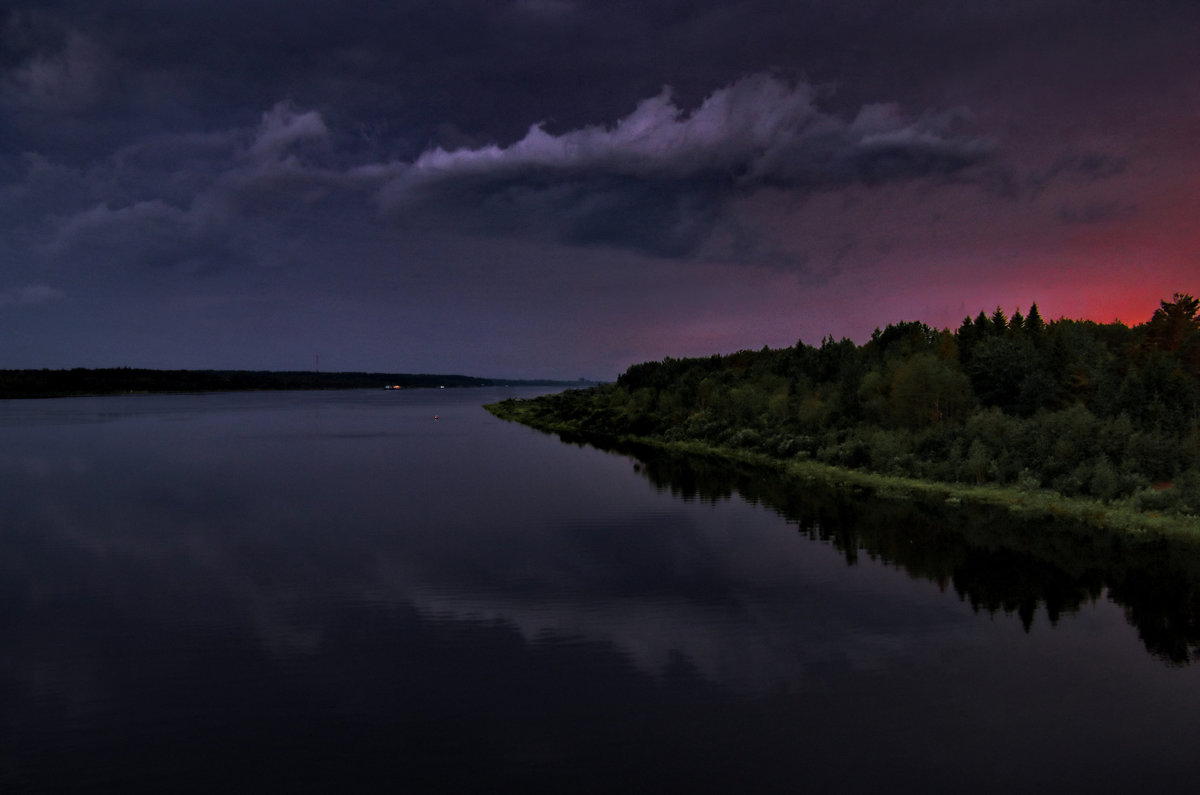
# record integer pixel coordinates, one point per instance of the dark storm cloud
(394, 78)
(200, 124)
(759, 131)
(150, 234)
(1013, 181)
(187, 200)
(1095, 212)
(362, 155)
(658, 178)
(406, 70)
(28, 295)
(64, 81)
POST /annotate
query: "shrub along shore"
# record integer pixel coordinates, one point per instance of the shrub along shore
(1126, 514)
(1099, 422)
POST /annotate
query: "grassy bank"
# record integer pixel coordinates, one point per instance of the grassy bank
(1121, 515)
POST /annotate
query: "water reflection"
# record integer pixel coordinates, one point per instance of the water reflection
(993, 560)
(320, 590)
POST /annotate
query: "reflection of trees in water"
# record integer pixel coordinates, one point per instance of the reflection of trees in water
(1164, 607)
(993, 560)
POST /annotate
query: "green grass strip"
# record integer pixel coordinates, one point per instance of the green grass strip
(1120, 515)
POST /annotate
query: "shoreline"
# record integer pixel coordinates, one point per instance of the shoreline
(1118, 515)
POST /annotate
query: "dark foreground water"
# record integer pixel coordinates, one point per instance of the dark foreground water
(337, 592)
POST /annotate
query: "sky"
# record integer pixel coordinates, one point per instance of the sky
(563, 188)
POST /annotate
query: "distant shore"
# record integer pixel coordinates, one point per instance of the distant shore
(128, 380)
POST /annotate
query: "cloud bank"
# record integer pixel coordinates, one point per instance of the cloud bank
(29, 295)
(365, 175)
(659, 178)
(660, 181)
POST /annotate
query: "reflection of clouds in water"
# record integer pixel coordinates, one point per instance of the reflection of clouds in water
(71, 683)
(759, 625)
(729, 588)
(281, 631)
(652, 636)
(216, 525)
(746, 642)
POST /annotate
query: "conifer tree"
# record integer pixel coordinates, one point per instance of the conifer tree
(1034, 323)
(999, 322)
(1174, 321)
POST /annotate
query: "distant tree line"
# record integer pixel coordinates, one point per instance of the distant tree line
(1087, 409)
(123, 380)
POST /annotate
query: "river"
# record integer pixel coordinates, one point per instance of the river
(393, 590)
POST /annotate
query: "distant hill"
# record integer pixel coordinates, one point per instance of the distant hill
(124, 380)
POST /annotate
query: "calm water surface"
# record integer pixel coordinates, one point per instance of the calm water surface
(339, 592)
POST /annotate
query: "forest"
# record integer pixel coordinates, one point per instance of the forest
(1103, 411)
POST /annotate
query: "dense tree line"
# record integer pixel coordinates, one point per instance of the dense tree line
(1083, 408)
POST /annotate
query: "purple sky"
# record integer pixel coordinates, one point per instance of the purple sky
(562, 188)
